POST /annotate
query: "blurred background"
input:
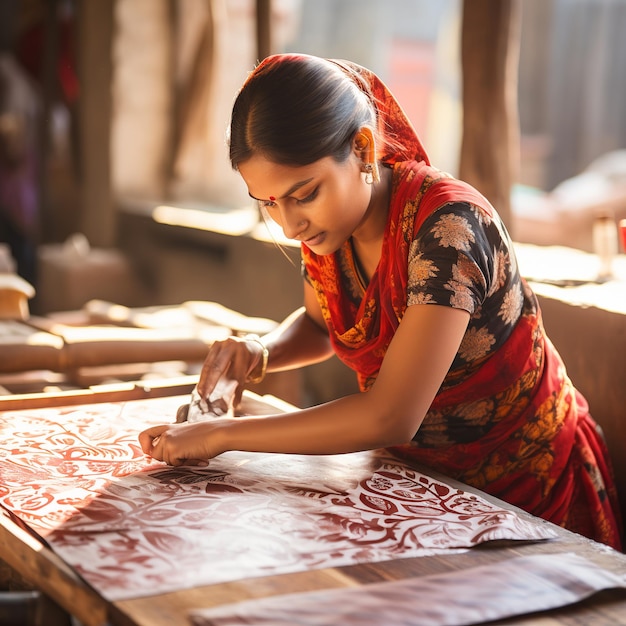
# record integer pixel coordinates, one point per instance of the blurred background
(112, 108)
(115, 182)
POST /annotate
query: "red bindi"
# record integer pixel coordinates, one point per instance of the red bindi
(272, 198)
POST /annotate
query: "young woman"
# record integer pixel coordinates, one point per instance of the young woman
(411, 279)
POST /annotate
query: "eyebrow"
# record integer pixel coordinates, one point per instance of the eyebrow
(291, 189)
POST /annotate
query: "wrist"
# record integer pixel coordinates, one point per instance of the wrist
(257, 374)
(220, 435)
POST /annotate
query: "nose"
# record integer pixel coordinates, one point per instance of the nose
(292, 224)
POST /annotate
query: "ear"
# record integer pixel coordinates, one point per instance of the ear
(365, 145)
(365, 150)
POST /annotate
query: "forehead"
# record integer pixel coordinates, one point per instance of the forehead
(266, 178)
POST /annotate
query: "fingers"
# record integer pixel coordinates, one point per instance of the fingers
(225, 370)
(182, 413)
(216, 364)
(190, 462)
(177, 444)
(238, 398)
(148, 437)
(158, 450)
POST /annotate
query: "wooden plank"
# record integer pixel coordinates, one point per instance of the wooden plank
(68, 341)
(171, 609)
(26, 348)
(122, 392)
(47, 572)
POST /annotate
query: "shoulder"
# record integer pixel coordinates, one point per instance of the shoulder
(454, 224)
(456, 256)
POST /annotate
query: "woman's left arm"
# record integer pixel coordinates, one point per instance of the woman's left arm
(390, 413)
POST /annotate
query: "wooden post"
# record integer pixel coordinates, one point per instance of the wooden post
(47, 227)
(95, 34)
(490, 40)
(263, 28)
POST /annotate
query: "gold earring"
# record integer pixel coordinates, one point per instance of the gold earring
(371, 173)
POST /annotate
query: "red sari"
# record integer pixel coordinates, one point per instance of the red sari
(542, 450)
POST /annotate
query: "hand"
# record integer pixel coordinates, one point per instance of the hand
(227, 367)
(181, 444)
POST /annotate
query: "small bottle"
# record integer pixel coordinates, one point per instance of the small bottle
(605, 244)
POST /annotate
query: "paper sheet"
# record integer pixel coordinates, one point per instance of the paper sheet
(477, 595)
(134, 527)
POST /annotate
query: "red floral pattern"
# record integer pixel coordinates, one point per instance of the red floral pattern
(133, 527)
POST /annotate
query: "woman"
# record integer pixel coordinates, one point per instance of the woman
(411, 279)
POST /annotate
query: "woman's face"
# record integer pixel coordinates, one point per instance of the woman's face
(322, 204)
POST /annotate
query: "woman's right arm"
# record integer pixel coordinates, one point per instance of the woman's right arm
(301, 339)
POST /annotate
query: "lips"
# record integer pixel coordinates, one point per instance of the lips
(316, 240)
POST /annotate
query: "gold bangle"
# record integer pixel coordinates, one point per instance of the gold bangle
(265, 358)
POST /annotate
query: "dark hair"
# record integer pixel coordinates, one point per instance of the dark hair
(297, 109)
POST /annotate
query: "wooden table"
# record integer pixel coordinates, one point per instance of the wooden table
(49, 573)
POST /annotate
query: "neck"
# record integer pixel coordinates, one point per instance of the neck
(367, 241)
(373, 226)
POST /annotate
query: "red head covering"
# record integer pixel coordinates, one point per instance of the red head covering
(394, 127)
(399, 139)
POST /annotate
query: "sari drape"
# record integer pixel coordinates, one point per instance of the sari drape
(542, 452)
(546, 454)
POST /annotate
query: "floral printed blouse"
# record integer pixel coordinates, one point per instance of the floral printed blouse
(461, 258)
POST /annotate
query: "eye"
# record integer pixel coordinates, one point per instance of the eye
(310, 197)
(266, 204)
